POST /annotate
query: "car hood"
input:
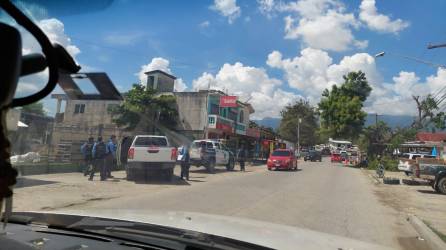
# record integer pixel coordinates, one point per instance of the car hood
(247, 230)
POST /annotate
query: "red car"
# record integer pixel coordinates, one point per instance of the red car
(282, 159)
(335, 157)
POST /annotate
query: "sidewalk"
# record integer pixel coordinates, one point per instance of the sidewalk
(421, 200)
(55, 191)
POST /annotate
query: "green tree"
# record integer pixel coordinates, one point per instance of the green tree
(308, 126)
(341, 108)
(144, 110)
(427, 108)
(374, 137)
(34, 108)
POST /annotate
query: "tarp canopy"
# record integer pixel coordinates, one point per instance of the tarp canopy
(21, 124)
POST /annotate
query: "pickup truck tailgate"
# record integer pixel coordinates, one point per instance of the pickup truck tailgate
(154, 154)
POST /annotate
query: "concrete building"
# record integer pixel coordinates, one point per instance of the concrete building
(83, 115)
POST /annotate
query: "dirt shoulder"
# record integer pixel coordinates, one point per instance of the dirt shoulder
(56, 191)
(420, 200)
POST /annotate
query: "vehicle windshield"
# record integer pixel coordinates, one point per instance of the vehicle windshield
(188, 107)
(281, 153)
(150, 141)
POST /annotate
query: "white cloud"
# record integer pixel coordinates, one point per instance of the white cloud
(248, 83)
(267, 7)
(204, 24)
(379, 22)
(313, 71)
(123, 38)
(227, 8)
(320, 24)
(159, 63)
(180, 85)
(26, 88)
(55, 31)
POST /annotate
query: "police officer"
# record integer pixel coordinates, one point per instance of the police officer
(110, 159)
(99, 153)
(241, 157)
(87, 152)
(185, 163)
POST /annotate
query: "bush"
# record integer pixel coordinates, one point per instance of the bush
(389, 164)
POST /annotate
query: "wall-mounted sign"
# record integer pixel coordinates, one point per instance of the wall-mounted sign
(228, 101)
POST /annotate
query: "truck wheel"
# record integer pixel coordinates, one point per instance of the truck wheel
(168, 174)
(230, 165)
(211, 167)
(441, 186)
(130, 175)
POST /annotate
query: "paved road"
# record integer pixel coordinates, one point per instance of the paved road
(322, 196)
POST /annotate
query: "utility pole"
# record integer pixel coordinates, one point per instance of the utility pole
(376, 119)
(299, 120)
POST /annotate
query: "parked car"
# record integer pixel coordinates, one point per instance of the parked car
(313, 155)
(282, 159)
(407, 162)
(325, 151)
(151, 155)
(434, 173)
(302, 153)
(209, 153)
(335, 157)
(344, 155)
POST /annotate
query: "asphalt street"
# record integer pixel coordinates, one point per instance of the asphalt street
(325, 197)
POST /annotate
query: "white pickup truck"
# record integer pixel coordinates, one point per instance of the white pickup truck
(151, 155)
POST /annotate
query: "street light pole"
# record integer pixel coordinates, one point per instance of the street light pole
(436, 65)
(299, 120)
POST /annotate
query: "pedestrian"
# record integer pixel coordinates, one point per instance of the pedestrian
(124, 151)
(99, 153)
(185, 163)
(87, 153)
(110, 158)
(241, 157)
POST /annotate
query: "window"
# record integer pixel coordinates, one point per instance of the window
(209, 145)
(241, 117)
(150, 141)
(281, 153)
(217, 146)
(150, 81)
(79, 108)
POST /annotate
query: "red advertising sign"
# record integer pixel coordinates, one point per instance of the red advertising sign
(228, 101)
(224, 127)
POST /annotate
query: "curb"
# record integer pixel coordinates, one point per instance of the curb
(374, 179)
(433, 241)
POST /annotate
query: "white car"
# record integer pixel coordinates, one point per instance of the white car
(151, 154)
(209, 153)
(406, 162)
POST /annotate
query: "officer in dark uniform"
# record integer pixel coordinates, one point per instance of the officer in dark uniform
(99, 153)
(185, 163)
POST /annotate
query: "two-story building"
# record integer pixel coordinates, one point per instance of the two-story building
(201, 115)
(83, 115)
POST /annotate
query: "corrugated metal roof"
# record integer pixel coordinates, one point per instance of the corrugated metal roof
(426, 136)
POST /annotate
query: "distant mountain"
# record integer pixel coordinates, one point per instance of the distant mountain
(392, 120)
(269, 122)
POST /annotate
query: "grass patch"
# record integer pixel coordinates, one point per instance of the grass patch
(441, 235)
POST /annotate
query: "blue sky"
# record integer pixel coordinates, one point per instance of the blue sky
(229, 44)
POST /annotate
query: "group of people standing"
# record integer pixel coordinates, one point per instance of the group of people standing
(99, 156)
